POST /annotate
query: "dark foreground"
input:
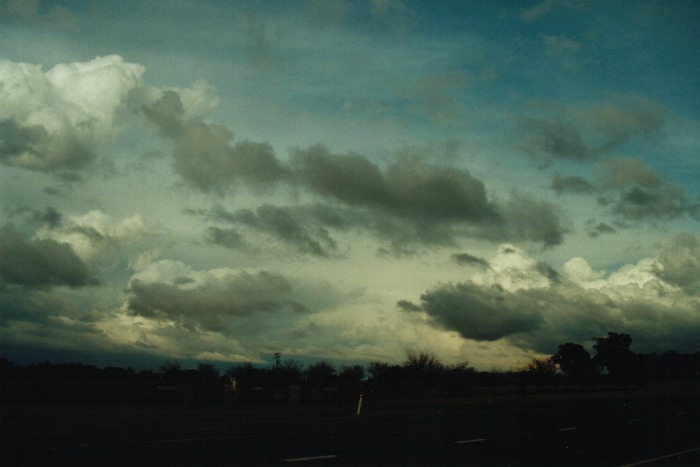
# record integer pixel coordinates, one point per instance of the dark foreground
(638, 428)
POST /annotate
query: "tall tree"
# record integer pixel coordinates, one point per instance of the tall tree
(574, 360)
(613, 353)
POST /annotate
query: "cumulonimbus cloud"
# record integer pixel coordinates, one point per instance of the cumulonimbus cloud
(57, 120)
(519, 300)
(170, 291)
(40, 263)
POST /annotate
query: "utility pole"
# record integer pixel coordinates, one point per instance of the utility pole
(277, 360)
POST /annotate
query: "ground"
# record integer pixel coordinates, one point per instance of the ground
(581, 428)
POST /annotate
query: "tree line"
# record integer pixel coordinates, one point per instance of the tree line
(420, 374)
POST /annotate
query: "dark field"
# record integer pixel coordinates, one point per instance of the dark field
(587, 428)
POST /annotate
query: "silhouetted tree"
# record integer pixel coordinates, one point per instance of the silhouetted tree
(421, 361)
(377, 369)
(539, 370)
(613, 353)
(350, 378)
(321, 371)
(421, 372)
(171, 367)
(292, 367)
(208, 371)
(574, 360)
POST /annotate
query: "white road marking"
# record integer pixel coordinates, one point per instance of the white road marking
(667, 456)
(310, 458)
(571, 428)
(634, 420)
(467, 441)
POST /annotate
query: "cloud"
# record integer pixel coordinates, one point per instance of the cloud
(632, 190)
(169, 290)
(350, 178)
(409, 201)
(562, 132)
(558, 45)
(595, 229)
(466, 258)
(538, 10)
(290, 226)
(572, 184)
(530, 305)
(407, 188)
(409, 204)
(57, 120)
(96, 237)
(480, 313)
(40, 263)
(203, 155)
(635, 191)
(679, 262)
(226, 237)
(304, 228)
(527, 219)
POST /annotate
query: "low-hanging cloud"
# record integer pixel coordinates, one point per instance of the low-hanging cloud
(479, 313)
(40, 263)
(210, 299)
(534, 307)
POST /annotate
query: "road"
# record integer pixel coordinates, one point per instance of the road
(617, 431)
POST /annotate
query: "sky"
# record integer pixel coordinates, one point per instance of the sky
(218, 181)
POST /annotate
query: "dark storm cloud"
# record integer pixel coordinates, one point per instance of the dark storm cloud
(289, 225)
(34, 148)
(480, 313)
(407, 188)
(412, 202)
(679, 261)
(167, 113)
(203, 154)
(622, 172)
(350, 178)
(48, 216)
(466, 258)
(583, 134)
(438, 192)
(212, 302)
(562, 184)
(39, 263)
(635, 191)
(226, 237)
(595, 229)
(204, 158)
(554, 138)
(304, 228)
(539, 319)
(408, 306)
(526, 219)
(632, 190)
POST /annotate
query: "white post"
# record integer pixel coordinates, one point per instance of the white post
(359, 405)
